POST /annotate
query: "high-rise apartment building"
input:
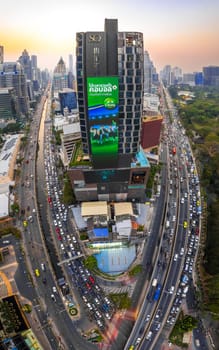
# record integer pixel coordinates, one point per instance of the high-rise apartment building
(12, 75)
(1, 54)
(110, 85)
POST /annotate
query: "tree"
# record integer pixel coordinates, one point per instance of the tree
(91, 262)
(15, 208)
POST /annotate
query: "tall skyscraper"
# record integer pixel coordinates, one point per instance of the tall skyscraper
(166, 75)
(12, 75)
(70, 62)
(34, 61)
(60, 76)
(25, 60)
(110, 84)
(1, 54)
(148, 73)
(8, 104)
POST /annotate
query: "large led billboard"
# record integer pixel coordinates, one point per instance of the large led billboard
(103, 110)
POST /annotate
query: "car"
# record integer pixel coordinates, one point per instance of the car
(171, 290)
(138, 341)
(30, 218)
(96, 301)
(147, 318)
(6, 242)
(185, 224)
(88, 285)
(53, 297)
(175, 257)
(54, 289)
(149, 335)
(158, 314)
(91, 279)
(43, 267)
(37, 272)
(157, 327)
(182, 251)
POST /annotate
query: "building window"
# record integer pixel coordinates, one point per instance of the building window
(139, 72)
(129, 80)
(129, 115)
(129, 49)
(130, 58)
(130, 87)
(128, 108)
(128, 94)
(138, 80)
(137, 93)
(129, 65)
(130, 72)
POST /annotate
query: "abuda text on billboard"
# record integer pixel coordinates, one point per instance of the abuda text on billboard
(103, 109)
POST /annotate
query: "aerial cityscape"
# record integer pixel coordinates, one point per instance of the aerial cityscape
(109, 182)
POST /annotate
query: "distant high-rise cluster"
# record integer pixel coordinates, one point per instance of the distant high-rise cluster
(20, 84)
(174, 75)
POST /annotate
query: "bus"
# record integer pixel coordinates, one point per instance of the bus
(157, 292)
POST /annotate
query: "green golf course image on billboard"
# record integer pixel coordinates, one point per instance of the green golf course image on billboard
(103, 119)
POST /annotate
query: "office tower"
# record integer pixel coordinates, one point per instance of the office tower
(67, 98)
(25, 60)
(60, 76)
(148, 72)
(176, 75)
(70, 60)
(34, 61)
(189, 78)
(8, 104)
(1, 54)
(165, 75)
(198, 78)
(12, 75)
(211, 75)
(110, 76)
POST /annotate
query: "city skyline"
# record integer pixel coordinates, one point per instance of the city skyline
(183, 35)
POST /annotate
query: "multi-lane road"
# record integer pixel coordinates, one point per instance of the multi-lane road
(169, 252)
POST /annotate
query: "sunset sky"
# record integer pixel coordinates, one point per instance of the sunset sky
(180, 33)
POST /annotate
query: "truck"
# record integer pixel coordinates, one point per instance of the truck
(157, 292)
(154, 282)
